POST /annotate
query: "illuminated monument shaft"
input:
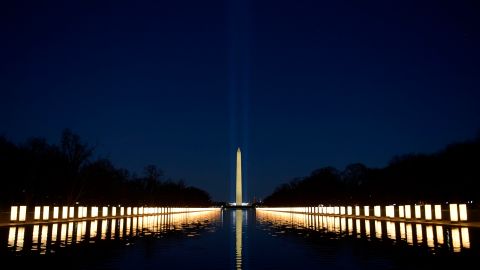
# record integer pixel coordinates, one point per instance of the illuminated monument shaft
(238, 197)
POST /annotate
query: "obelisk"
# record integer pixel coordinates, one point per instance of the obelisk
(238, 197)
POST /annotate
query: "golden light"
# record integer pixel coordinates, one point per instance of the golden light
(402, 230)
(43, 239)
(55, 212)
(430, 239)
(64, 212)
(342, 210)
(439, 230)
(401, 211)
(104, 211)
(409, 233)
(428, 212)
(85, 210)
(378, 229)
(408, 212)
(390, 211)
(22, 215)
(456, 244)
(54, 232)
(350, 226)
(367, 227)
(465, 237)
(63, 233)
(366, 211)
(13, 213)
(376, 211)
(129, 211)
(12, 234)
(358, 227)
(19, 243)
(357, 210)
(122, 211)
(37, 213)
(135, 210)
(114, 211)
(438, 212)
(71, 212)
(419, 233)
(418, 212)
(46, 211)
(80, 212)
(391, 233)
(453, 212)
(94, 211)
(349, 210)
(93, 229)
(463, 212)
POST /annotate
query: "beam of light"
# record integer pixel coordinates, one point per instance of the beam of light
(46, 210)
(64, 212)
(418, 212)
(22, 215)
(463, 212)
(428, 212)
(408, 212)
(37, 213)
(453, 212)
(401, 211)
(55, 212)
(438, 212)
(13, 213)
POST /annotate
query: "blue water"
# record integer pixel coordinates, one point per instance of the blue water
(237, 239)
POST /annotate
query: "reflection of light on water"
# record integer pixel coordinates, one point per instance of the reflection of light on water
(11, 236)
(43, 239)
(54, 232)
(408, 227)
(93, 229)
(402, 230)
(20, 238)
(439, 230)
(238, 239)
(63, 234)
(70, 233)
(350, 226)
(391, 230)
(359, 229)
(456, 244)
(367, 228)
(378, 229)
(465, 238)
(419, 233)
(104, 228)
(430, 240)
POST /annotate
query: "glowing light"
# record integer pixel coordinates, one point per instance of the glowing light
(453, 212)
(80, 212)
(12, 233)
(22, 215)
(366, 211)
(46, 210)
(408, 212)
(439, 230)
(391, 233)
(376, 211)
(55, 212)
(390, 211)
(463, 212)
(438, 212)
(430, 239)
(122, 211)
(20, 238)
(419, 233)
(114, 211)
(418, 212)
(104, 211)
(367, 227)
(378, 229)
(65, 212)
(456, 244)
(408, 227)
(54, 232)
(465, 237)
(357, 210)
(37, 213)
(401, 211)
(84, 210)
(71, 212)
(342, 210)
(129, 211)
(358, 227)
(135, 210)
(349, 210)
(14, 213)
(94, 211)
(428, 212)
(402, 230)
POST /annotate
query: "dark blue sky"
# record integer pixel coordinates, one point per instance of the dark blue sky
(298, 85)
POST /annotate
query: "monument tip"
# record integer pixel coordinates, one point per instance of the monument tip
(238, 149)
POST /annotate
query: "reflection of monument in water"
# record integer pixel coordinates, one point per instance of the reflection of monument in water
(239, 183)
(238, 238)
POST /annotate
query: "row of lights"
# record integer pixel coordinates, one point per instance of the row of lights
(19, 213)
(458, 212)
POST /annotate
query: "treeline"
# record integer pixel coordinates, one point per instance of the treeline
(37, 172)
(452, 174)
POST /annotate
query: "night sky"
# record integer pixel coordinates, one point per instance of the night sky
(298, 85)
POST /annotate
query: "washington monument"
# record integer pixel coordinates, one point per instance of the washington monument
(238, 193)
